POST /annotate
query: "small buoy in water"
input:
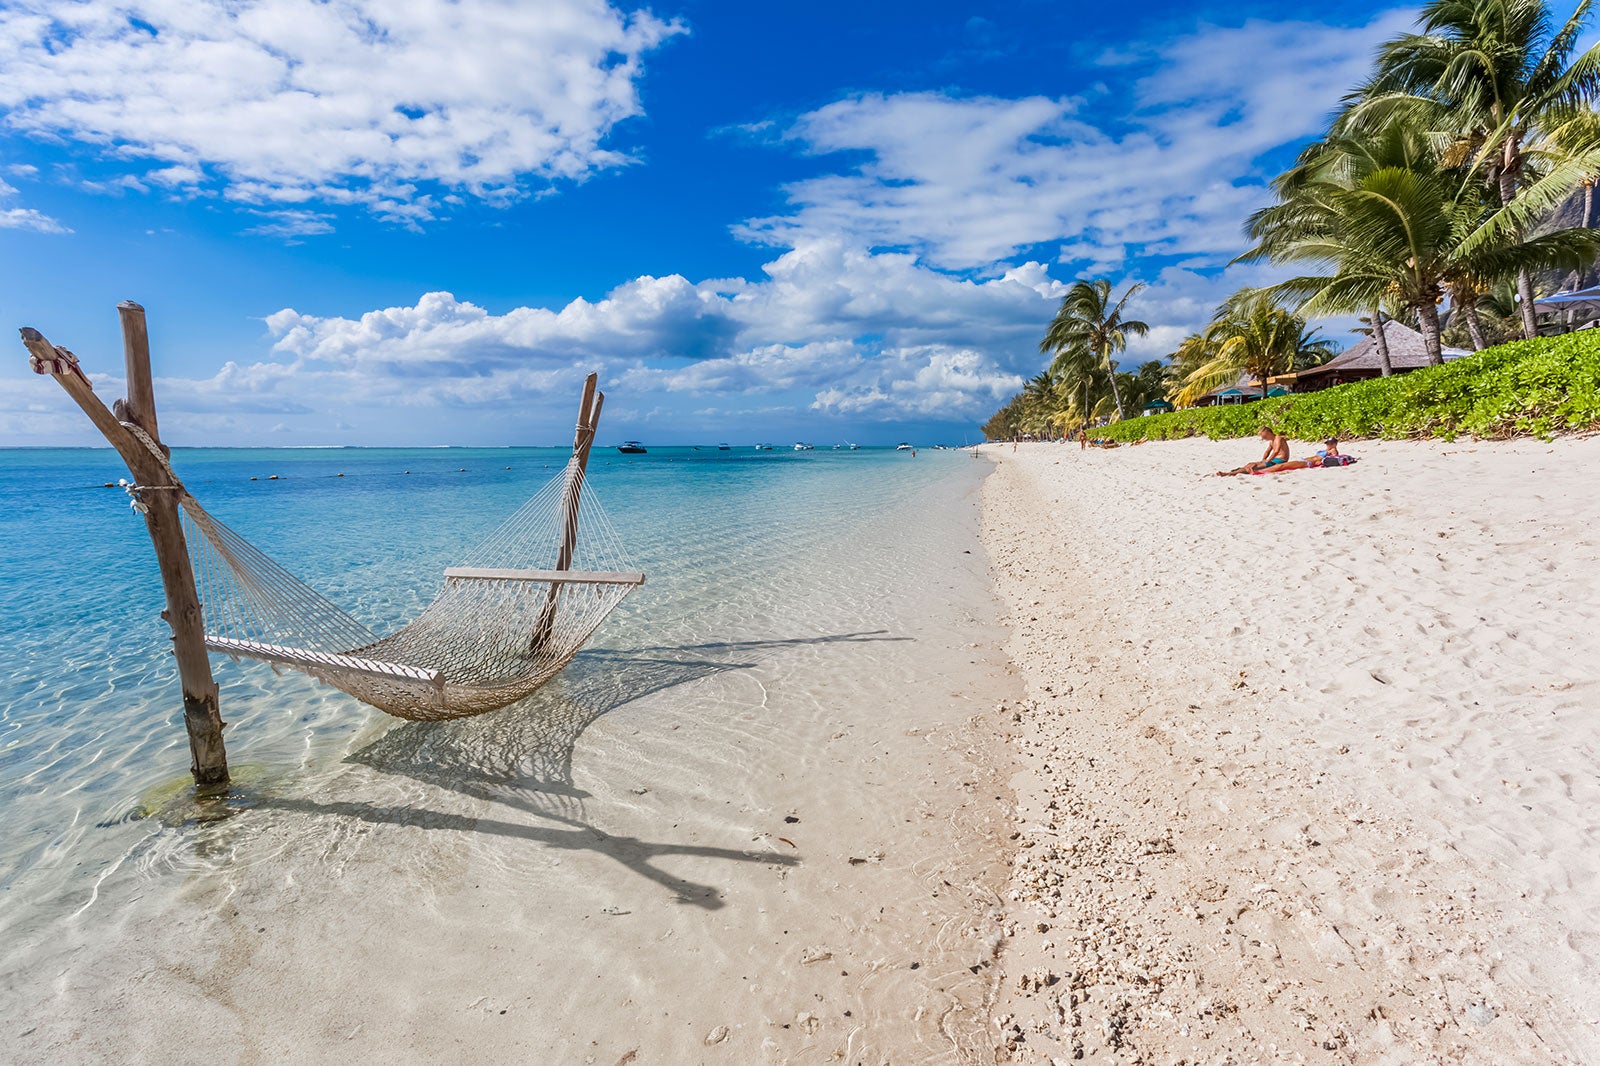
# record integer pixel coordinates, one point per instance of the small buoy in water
(508, 468)
(464, 469)
(255, 479)
(340, 475)
(408, 471)
(113, 484)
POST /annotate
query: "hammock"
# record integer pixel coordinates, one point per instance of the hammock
(496, 631)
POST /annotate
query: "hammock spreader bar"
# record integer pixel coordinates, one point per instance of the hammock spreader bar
(497, 630)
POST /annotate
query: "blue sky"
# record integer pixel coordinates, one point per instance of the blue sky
(361, 223)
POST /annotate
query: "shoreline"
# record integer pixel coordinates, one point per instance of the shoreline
(1305, 761)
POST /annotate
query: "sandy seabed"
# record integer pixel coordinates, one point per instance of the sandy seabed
(761, 820)
(1306, 762)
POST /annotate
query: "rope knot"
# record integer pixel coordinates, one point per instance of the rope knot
(135, 499)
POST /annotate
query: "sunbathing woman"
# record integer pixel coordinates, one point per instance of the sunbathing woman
(1277, 454)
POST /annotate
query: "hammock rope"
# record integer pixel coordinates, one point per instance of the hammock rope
(497, 629)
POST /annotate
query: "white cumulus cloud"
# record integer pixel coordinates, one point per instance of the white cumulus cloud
(355, 101)
(1169, 167)
(830, 329)
(24, 217)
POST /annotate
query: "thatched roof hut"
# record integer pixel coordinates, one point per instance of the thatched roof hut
(1407, 351)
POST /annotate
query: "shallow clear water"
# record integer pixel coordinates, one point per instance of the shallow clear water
(787, 594)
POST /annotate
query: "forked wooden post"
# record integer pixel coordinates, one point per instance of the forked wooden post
(582, 440)
(141, 401)
(201, 713)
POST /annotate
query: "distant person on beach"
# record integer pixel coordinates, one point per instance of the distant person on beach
(1083, 439)
(1277, 454)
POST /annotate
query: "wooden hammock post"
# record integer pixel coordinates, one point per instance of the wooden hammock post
(582, 440)
(201, 713)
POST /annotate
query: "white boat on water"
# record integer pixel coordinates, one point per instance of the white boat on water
(763, 447)
(904, 447)
(801, 446)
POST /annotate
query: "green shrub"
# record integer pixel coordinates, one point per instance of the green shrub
(1534, 388)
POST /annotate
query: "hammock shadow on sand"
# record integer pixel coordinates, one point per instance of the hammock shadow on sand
(521, 757)
(631, 852)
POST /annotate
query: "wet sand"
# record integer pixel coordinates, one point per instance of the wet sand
(1305, 767)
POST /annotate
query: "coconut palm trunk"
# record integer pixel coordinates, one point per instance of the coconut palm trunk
(1381, 339)
(1506, 183)
(1588, 223)
(1530, 328)
(1116, 394)
(1474, 327)
(1428, 318)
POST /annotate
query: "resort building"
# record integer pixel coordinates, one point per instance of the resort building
(1360, 361)
(1244, 390)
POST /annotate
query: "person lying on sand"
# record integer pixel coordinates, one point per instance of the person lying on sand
(1328, 456)
(1277, 454)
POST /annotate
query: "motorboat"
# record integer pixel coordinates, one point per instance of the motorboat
(631, 447)
(763, 447)
(904, 447)
(723, 448)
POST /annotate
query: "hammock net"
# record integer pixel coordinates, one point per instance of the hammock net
(496, 631)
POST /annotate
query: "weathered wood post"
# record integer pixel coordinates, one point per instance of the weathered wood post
(582, 439)
(160, 490)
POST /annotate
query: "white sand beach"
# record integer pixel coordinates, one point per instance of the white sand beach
(1306, 767)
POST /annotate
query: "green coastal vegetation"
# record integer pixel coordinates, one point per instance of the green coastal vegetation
(1441, 196)
(1538, 388)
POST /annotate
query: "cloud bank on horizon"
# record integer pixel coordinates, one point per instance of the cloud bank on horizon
(916, 253)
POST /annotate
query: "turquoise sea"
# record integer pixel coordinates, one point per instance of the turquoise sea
(90, 728)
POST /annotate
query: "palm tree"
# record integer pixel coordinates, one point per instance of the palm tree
(1087, 330)
(1040, 402)
(1144, 385)
(1494, 77)
(1573, 136)
(1084, 402)
(1487, 316)
(1249, 335)
(1303, 208)
(1193, 352)
(1401, 227)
